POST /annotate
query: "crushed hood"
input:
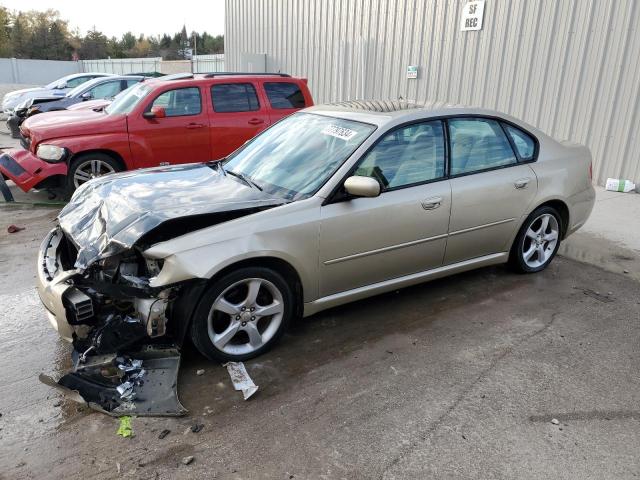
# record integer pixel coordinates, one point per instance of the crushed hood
(110, 214)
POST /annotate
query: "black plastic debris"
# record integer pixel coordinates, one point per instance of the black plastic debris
(142, 383)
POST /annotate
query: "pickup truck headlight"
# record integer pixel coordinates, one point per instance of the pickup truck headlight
(50, 153)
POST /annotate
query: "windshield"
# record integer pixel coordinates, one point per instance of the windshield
(294, 158)
(128, 99)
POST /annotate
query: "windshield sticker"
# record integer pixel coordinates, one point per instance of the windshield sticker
(339, 132)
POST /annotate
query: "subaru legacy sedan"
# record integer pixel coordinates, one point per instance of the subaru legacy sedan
(332, 204)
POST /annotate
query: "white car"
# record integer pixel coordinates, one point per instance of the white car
(58, 87)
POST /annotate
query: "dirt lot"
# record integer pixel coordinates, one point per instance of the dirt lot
(458, 378)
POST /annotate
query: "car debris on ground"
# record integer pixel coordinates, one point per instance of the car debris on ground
(15, 229)
(187, 460)
(125, 429)
(241, 379)
(117, 385)
(164, 433)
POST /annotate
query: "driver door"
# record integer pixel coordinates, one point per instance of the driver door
(403, 230)
(182, 136)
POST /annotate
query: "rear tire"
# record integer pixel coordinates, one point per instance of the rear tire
(242, 315)
(537, 241)
(88, 166)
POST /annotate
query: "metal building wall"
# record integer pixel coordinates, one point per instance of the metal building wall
(569, 67)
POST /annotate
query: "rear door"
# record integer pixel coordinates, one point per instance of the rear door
(180, 137)
(491, 188)
(285, 97)
(238, 114)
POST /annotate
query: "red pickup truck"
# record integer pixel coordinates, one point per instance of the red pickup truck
(177, 119)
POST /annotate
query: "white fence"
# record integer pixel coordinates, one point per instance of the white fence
(122, 66)
(208, 63)
(39, 72)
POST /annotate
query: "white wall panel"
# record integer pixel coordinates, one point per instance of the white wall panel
(570, 67)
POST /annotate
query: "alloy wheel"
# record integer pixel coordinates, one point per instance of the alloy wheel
(245, 316)
(90, 169)
(540, 240)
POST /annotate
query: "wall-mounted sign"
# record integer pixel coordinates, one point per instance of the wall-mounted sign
(412, 71)
(472, 14)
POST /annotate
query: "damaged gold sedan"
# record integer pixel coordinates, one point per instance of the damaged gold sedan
(330, 205)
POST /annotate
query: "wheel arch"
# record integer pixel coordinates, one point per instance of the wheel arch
(562, 208)
(186, 304)
(105, 151)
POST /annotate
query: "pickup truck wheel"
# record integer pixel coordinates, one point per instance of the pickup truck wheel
(537, 242)
(242, 315)
(89, 166)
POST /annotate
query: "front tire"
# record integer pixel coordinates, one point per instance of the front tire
(88, 166)
(242, 315)
(537, 241)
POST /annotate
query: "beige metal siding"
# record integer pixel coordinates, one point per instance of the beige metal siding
(569, 67)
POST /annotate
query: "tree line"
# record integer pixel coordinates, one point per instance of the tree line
(45, 35)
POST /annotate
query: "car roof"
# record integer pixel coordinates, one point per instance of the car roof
(198, 78)
(384, 112)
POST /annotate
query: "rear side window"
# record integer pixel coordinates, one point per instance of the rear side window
(525, 145)
(234, 97)
(478, 144)
(284, 95)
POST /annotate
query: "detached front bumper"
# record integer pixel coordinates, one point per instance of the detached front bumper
(26, 170)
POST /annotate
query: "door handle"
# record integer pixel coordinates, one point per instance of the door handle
(522, 182)
(431, 203)
(195, 125)
(255, 121)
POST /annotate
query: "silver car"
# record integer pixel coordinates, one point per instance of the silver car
(58, 87)
(330, 205)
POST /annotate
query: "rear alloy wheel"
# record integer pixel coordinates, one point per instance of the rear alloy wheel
(242, 315)
(537, 242)
(88, 167)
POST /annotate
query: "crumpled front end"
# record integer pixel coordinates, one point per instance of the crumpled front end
(117, 325)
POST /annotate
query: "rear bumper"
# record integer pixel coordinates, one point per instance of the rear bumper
(26, 170)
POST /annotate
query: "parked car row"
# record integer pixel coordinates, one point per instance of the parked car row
(174, 119)
(101, 88)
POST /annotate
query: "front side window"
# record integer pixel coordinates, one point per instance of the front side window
(234, 97)
(478, 144)
(284, 95)
(406, 156)
(105, 90)
(525, 145)
(296, 156)
(179, 102)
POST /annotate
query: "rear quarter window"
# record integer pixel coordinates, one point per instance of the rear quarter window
(525, 145)
(283, 95)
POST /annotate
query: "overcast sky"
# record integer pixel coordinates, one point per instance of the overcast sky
(115, 17)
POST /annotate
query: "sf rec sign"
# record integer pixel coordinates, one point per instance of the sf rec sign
(472, 14)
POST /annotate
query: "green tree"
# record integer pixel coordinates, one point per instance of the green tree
(20, 37)
(5, 39)
(94, 45)
(58, 47)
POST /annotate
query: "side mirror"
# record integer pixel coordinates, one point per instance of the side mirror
(86, 96)
(61, 86)
(156, 112)
(362, 186)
